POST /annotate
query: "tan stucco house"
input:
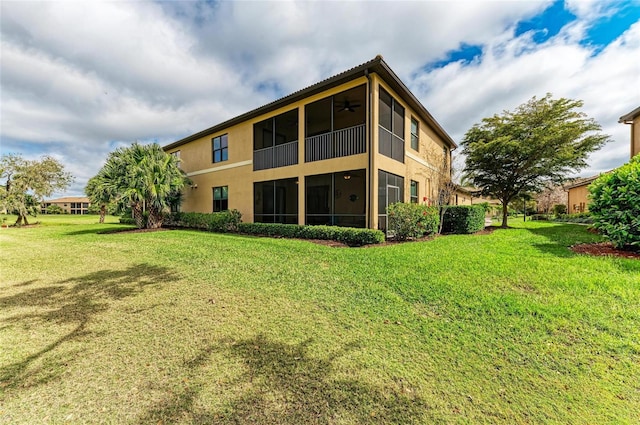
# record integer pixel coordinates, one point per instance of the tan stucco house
(577, 195)
(69, 204)
(337, 152)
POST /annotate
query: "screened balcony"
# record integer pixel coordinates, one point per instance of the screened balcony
(275, 141)
(336, 126)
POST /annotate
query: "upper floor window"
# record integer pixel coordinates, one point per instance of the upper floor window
(445, 157)
(176, 154)
(220, 148)
(414, 134)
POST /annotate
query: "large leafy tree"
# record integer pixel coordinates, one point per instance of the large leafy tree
(27, 182)
(537, 144)
(139, 177)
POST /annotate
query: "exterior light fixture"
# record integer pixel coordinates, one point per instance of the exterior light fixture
(347, 175)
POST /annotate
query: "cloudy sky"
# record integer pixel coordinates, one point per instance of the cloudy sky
(79, 79)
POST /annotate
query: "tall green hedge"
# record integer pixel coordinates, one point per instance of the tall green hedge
(411, 221)
(615, 205)
(463, 219)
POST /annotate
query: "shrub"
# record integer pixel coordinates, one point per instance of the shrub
(463, 219)
(559, 209)
(580, 218)
(54, 209)
(615, 205)
(540, 217)
(347, 235)
(222, 222)
(127, 220)
(410, 221)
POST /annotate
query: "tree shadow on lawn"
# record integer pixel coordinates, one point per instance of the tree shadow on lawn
(283, 384)
(561, 238)
(105, 229)
(72, 301)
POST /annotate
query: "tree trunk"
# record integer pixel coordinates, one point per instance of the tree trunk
(103, 212)
(138, 216)
(155, 219)
(505, 214)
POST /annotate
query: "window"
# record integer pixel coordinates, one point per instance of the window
(220, 198)
(445, 155)
(414, 134)
(176, 154)
(220, 148)
(414, 192)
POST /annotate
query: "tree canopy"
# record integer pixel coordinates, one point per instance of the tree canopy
(139, 177)
(27, 182)
(539, 143)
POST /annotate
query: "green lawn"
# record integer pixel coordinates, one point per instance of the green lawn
(191, 327)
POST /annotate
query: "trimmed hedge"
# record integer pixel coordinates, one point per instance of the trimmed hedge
(581, 218)
(347, 235)
(463, 219)
(411, 221)
(221, 222)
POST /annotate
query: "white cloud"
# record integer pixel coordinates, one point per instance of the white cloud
(79, 78)
(513, 70)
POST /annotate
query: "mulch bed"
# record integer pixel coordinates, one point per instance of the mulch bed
(603, 249)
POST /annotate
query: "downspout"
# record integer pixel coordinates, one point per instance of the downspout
(370, 156)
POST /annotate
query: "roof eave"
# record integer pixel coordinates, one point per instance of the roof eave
(628, 118)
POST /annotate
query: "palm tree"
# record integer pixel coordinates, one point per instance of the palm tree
(141, 177)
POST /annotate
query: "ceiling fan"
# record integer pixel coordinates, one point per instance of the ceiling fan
(346, 105)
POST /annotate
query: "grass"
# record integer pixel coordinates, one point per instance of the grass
(192, 327)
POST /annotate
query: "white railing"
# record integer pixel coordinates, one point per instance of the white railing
(335, 144)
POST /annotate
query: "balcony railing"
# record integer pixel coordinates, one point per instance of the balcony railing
(390, 145)
(335, 144)
(276, 156)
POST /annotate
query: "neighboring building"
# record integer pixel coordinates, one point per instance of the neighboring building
(69, 204)
(463, 196)
(337, 152)
(577, 195)
(578, 191)
(633, 118)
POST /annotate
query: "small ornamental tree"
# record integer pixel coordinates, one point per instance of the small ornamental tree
(615, 205)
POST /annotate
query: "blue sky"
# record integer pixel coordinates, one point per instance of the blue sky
(80, 79)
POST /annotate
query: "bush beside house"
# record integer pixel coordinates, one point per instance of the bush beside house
(463, 219)
(412, 221)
